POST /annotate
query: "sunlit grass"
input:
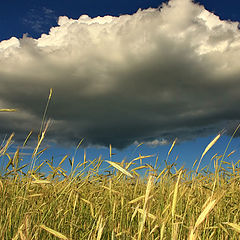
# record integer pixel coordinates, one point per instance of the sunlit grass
(86, 204)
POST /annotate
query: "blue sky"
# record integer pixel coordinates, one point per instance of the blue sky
(122, 76)
(24, 16)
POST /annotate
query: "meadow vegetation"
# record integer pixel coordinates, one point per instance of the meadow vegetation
(86, 204)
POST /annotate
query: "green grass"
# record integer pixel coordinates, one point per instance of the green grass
(85, 204)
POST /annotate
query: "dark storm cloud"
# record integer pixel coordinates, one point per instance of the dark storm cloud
(152, 76)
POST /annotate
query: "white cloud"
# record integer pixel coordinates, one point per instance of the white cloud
(171, 72)
(157, 142)
(154, 143)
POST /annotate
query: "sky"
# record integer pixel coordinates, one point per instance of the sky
(122, 73)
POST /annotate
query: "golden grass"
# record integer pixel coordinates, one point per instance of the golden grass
(165, 203)
(124, 171)
(8, 110)
(90, 205)
(53, 232)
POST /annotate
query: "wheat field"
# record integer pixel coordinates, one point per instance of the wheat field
(121, 204)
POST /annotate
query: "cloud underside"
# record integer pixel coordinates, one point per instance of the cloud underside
(151, 76)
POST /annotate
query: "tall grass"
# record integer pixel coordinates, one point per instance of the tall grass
(85, 204)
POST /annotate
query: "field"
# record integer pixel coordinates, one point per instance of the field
(120, 204)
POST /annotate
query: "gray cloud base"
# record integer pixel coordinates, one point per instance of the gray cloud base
(152, 76)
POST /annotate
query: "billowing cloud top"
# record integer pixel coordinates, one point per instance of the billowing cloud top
(151, 76)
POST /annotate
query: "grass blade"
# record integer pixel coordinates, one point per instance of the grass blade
(171, 148)
(208, 148)
(235, 226)
(124, 171)
(8, 110)
(53, 232)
